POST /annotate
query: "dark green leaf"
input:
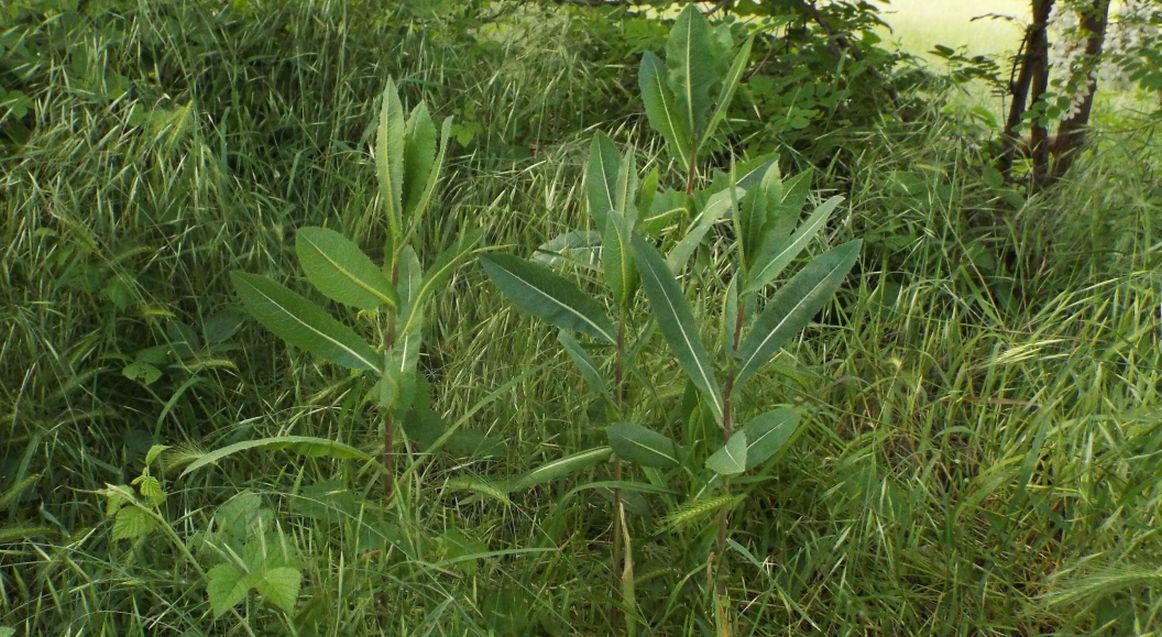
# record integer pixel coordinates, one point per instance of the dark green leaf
(774, 257)
(585, 364)
(792, 307)
(691, 63)
(672, 312)
(662, 109)
(303, 324)
(535, 289)
(642, 446)
(601, 179)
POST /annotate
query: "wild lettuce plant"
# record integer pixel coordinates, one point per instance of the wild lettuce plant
(409, 153)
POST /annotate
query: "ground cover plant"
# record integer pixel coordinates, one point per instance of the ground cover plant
(973, 406)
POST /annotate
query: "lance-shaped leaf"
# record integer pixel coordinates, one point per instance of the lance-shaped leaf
(617, 260)
(561, 467)
(389, 161)
(792, 307)
(785, 204)
(642, 446)
(438, 274)
(601, 175)
(774, 257)
(340, 270)
(716, 206)
(672, 313)
(419, 156)
(579, 247)
(691, 62)
(303, 445)
(730, 459)
(726, 93)
(419, 206)
(535, 289)
(301, 323)
(662, 109)
(585, 364)
(768, 434)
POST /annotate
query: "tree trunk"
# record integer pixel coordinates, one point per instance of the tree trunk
(1030, 84)
(1072, 134)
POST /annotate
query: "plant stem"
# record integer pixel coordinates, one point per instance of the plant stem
(388, 425)
(727, 432)
(619, 540)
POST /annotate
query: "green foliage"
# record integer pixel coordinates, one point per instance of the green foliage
(934, 459)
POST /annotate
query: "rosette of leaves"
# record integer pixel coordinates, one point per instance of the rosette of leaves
(409, 153)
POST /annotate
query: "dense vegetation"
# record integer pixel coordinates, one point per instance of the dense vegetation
(972, 420)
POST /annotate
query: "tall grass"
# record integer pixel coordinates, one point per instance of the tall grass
(982, 427)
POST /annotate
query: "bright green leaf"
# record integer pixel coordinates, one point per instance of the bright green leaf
(280, 586)
(730, 459)
(389, 162)
(227, 587)
(132, 522)
(419, 155)
(341, 271)
(726, 93)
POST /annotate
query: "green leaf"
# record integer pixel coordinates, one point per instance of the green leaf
(389, 162)
(420, 205)
(301, 323)
(690, 59)
(143, 373)
(132, 522)
(716, 206)
(672, 312)
(617, 261)
(539, 291)
(303, 445)
(585, 364)
(767, 434)
(730, 459)
(581, 248)
(785, 203)
(419, 156)
(642, 446)
(341, 271)
(775, 256)
(792, 307)
(601, 179)
(726, 93)
(438, 274)
(227, 587)
(662, 109)
(561, 467)
(280, 586)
